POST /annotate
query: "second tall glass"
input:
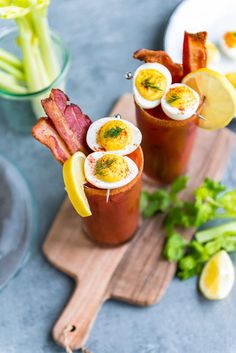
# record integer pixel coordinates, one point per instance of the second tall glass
(167, 144)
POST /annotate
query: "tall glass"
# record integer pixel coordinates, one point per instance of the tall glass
(167, 144)
(116, 221)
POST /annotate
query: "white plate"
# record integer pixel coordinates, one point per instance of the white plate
(213, 16)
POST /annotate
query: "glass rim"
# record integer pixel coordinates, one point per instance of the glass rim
(63, 69)
(170, 122)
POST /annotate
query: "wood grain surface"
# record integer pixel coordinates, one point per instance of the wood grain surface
(135, 272)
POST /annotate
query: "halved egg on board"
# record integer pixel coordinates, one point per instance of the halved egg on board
(150, 82)
(228, 44)
(112, 134)
(180, 102)
(109, 171)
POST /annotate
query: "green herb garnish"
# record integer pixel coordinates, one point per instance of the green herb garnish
(173, 98)
(148, 84)
(210, 202)
(113, 132)
(102, 165)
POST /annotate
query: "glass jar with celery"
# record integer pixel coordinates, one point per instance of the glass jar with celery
(32, 61)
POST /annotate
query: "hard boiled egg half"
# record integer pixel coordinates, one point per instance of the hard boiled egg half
(109, 171)
(112, 134)
(228, 44)
(150, 82)
(180, 102)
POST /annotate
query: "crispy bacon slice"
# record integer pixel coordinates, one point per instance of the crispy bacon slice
(68, 119)
(161, 57)
(45, 133)
(194, 51)
(60, 98)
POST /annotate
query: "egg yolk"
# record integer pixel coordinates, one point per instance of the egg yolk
(230, 39)
(180, 97)
(114, 135)
(111, 168)
(151, 84)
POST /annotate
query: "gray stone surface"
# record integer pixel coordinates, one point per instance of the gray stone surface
(102, 36)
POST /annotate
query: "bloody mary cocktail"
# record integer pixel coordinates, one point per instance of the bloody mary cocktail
(102, 167)
(115, 222)
(167, 109)
(167, 144)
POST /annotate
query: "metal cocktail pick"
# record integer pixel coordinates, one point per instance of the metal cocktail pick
(107, 195)
(128, 75)
(200, 116)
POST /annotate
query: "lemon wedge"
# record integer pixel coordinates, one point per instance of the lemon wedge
(219, 105)
(217, 277)
(74, 179)
(231, 76)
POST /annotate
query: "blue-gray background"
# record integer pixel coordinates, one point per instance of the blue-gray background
(101, 36)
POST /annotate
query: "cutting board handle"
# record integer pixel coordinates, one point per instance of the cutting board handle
(77, 318)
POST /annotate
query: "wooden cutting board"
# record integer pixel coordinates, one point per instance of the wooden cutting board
(135, 272)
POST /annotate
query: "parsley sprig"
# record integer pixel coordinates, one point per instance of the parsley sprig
(113, 132)
(148, 84)
(173, 98)
(211, 201)
(101, 166)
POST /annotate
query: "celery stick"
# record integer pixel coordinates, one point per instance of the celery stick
(10, 59)
(18, 74)
(29, 47)
(40, 65)
(214, 232)
(47, 49)
(10, 84)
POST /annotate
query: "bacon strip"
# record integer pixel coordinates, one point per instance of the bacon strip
(161, 57)
(194, 51)
(45, 133)
(68, 119)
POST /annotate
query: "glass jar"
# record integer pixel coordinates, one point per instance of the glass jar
(20, 111)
